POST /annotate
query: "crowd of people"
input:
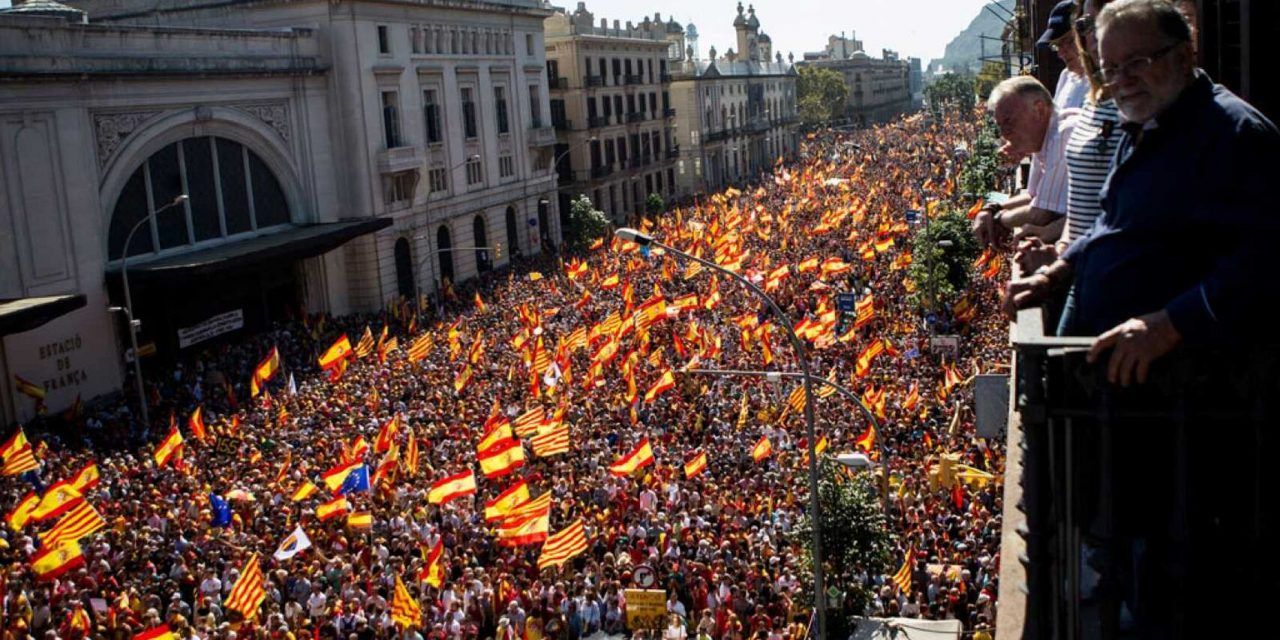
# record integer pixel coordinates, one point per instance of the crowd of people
(720, 543)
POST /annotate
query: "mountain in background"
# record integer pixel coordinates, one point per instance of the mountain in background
(963, 52)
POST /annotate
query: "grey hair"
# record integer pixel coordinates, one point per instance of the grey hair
(1023, 86)
(1163, 13)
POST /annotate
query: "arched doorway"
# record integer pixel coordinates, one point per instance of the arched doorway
(404, 269)
(444, 248)
(544, 224)
(483, 262)
(513, 234)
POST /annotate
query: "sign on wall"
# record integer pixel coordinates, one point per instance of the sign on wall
(69, 357)
(214, 326)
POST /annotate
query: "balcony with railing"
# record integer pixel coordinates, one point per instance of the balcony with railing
(541, 136)
(558, 84)
(397, 159)
(635, 116)
(593, 81)
(595, 122)
(633, 78)
(1130, 509)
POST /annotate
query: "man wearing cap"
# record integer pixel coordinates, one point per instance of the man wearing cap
(1072, 86)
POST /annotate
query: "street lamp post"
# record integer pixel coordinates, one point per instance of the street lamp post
(819, 595)
(134, 325)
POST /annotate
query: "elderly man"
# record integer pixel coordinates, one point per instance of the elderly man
(1188, 210)
(1031, 125)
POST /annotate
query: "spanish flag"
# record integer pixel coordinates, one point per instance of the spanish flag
(867, 441)
(563, 546)
(332, 508)
(387, 435)
(499, 431)
(514, 496)
(196, 424)
(501, 459)
(338, 353)
(913, 398)
(304, 491)
(87, 477)
(161, 632)
(515, 532)
(57, 500)
(452, 487)
(264, 371)
(695, 465)
(432, 572)
(639, 457)
(169, 446)
(29, 389)
(21, 514)
(665, 382)
(463, 379)
(53, 560)
(762, 449)
(360, 520)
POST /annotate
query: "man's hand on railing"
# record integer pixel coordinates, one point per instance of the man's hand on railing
(1033, 253)
(1135, 344)
(1031, 290)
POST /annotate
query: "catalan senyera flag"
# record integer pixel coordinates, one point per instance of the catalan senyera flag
(762, 449)
(22, 461)
(53, 560)
(168, 447)
(21, 513)
(80, 521)
(432, 571)
(365, 346)
(332, 508)
(639, 457)
(695, 465)
(528, 422)
(387, 435)
(563, 546)
(405, 610)
(665, 382)
(795, 399)
(551, 441)
(339, 352)
(87, 477)
(902, 579)
(304, 491)
(15, 442)
(420, 347)
(57, 500)
(410, 459)
(248, 593)
(161, 632)
(512, 497)
(501, 459)
(455, 486)
(196, 424)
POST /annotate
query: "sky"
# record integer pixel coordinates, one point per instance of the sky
(914, 28)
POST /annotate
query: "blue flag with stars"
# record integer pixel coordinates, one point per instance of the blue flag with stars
(357, 480)
(220, 509)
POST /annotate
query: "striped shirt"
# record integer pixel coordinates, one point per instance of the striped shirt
(1047, 184)
(1089, 159)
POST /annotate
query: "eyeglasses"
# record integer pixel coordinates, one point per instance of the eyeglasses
(1083, 24)
(1135, 66)
(1060, 44)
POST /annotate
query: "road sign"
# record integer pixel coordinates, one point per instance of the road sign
(645, 576)
(646, 608)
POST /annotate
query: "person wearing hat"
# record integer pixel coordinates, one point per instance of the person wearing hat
(1072, 88)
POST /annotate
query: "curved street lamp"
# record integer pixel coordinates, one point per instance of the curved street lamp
(820, 600)
(134, 325)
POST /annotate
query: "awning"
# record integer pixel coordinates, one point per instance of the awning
(24, 314)
(293, 243)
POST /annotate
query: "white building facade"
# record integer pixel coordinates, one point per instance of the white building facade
(336, 156)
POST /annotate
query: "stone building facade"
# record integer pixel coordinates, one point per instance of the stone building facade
(336, 155)
(880, 89)
(736, 113)
(611, 107)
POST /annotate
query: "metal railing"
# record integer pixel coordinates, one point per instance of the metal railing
(635, 116)
(597, 122)
(1142, 503)
(592, 81)
(634, 78)
(558, 83)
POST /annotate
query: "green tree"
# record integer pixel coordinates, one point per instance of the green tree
(855, 539)
(654, 204)
(942, 255)
(586, 223)
(981, 171)
(951, 92)
(820, 95)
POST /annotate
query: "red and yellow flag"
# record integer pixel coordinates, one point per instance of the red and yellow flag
(695, 465)
(501, 458)
(452, 487)
(563, 546)
(248, 593)
(432, 572)
(168, 447)
(639, 457)
(514, 496)
(21, 513)
(551, 441)
(762, 449)
(666, 381)
(53, 560)
(196, 424)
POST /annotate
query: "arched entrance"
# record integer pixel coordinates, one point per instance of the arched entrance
(544, 224)
(404, 269)
(483, 261)
(444, 249)
(513, 234)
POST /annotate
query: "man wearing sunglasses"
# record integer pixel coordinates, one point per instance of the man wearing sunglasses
(1189, 210)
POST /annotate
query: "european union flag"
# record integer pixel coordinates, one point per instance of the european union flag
(357, 480)
(221, 510)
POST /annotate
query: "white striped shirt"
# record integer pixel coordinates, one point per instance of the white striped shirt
(1047, 185)
(1090, 154)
